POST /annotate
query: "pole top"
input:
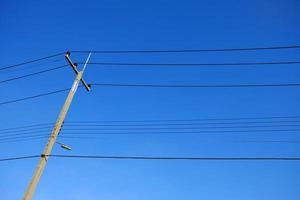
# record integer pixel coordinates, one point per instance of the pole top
(68, 53)
(74, 67)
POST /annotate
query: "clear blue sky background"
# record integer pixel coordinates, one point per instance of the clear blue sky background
(31, 29)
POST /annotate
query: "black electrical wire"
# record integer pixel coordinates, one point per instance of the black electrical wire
(190, 120)
(32, 74)
(28, 126)
(28, 130)
(33, 97)
(196, 86)
(30, 61)
(25, 130)
(69, 124)
(192, 64)
(179, 128)
(45, 136)
(145, 128)
(131, 85)
(188, 50)
(181, 132)
(100, 123)
(23, 140)
(23, 137)
(173, 158)
(19, 158)
(25, 133)
(163, 122)
(157, 158)
(88, 134)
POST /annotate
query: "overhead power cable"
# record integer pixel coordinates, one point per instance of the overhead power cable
(32, 74)
(88, 136)
(143, 132)
(65, 132)
(157, 158)
(30, 61)
(39, 128)
(175, 124)
(189, 120)
(19, 158)
(148, 85)
(39, 137)
(8, 138)
(162, 123)
(24, 133)
(196, 86)
(173, 158)
(20, 132)
(25, 130)
(83, 134)
(23, 139)
(180, 128)
(188, 50)
(192, 64)
(34, 96)
(28, 126)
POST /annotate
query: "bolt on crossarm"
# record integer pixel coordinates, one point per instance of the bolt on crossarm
(56, 129)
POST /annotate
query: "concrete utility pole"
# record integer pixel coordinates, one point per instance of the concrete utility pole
(56, 129)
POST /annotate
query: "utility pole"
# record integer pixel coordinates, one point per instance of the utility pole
(57, 127)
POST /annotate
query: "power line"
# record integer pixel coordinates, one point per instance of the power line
(23, 140)
(177, 124)
(37, 137)
(188, 50)
(19, 158)
(28, 126)
(30, 61)
(88, 134)
(144, 132)
(190, 120)
(172, 158)
(28, 130)
(7, 138)
(23, 133)
(34, 96)
(25, 130)
(93, 138)
(181, 132)
(156, 158)
(183, 122)
(179, 128)
(196, 86)
(32, 74)
(157, 51)
(100, 123)
(193, 64)
(144, 128)
(148, 85)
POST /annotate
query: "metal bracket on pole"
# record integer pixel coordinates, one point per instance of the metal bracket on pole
(74, 67)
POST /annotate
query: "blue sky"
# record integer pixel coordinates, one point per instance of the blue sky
(32, 29)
